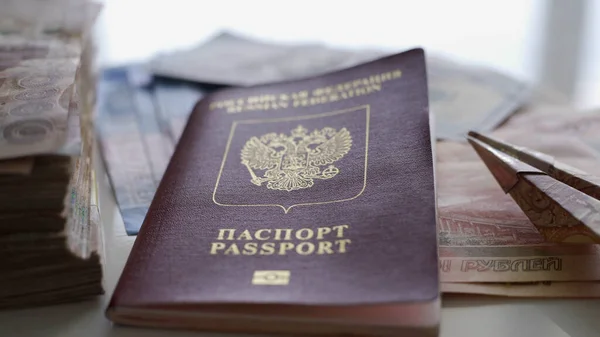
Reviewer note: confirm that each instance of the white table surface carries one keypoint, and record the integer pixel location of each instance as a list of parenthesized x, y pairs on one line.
[(509, 46)]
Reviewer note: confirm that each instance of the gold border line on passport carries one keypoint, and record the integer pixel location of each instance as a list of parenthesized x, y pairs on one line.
[(367, 107)]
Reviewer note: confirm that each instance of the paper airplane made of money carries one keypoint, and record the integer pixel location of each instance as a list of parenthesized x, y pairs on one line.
[(549, 192)]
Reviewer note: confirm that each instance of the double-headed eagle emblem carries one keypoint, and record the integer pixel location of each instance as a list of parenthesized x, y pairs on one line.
[(293, 162)]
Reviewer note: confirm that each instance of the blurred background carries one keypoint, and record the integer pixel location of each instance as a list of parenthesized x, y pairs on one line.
[(554, 43)]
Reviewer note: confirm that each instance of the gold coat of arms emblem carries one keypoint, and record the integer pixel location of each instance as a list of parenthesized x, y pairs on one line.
[(293, 162)]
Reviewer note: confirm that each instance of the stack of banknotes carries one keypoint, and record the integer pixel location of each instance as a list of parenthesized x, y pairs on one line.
[(49, 220), (487, 245)]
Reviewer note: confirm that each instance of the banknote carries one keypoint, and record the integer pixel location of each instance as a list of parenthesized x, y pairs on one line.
[(485, 236), (22, 165), (233, 59), (37, 79), (72, 144), (79, 220), (175, 101), (518, 263), (463, 97), (123, 148), (138, 127), (543, 289), (84, 237), (583, 125), (30, 17)]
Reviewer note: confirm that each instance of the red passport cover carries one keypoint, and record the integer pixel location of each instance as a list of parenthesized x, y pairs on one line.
[(315, 192)]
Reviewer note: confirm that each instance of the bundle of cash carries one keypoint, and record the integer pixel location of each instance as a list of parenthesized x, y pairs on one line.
[(49, 220)]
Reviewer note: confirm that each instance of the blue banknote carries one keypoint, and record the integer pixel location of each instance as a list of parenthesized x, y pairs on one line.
[(139, 121)]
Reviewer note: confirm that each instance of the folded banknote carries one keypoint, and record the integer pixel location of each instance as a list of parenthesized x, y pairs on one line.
[(550, 192)]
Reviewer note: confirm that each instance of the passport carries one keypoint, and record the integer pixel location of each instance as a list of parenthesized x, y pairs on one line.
[(304, 207)]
